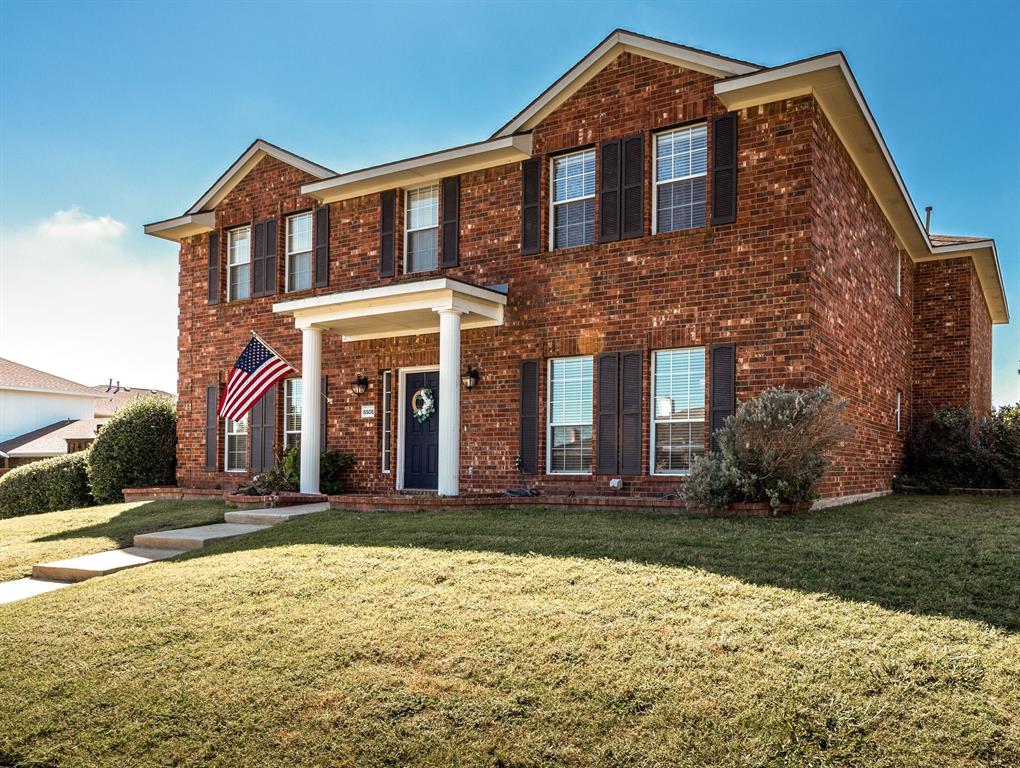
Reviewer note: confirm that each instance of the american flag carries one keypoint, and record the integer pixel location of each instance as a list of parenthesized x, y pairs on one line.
[(256, 370)]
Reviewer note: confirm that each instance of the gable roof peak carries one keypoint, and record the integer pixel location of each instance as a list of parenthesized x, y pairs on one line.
[(621, 41)]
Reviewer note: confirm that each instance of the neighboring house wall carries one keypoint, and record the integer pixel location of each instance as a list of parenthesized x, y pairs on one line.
[(860, 328), (952, 339), (22, 412), (746, 283)]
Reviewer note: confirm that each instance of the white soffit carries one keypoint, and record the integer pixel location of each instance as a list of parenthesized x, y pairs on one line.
[(421, 170), (182, 226), (829, 79), (620, 41)]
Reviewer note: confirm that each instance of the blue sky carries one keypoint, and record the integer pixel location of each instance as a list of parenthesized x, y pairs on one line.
[(113, 115)]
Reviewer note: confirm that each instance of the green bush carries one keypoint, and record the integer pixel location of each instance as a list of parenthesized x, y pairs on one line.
[(948, 451), (333, 466), (135, 449), (46, 486), (772, 450)]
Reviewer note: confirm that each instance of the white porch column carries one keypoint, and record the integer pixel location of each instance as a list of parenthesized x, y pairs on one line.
[(311, 407), (449, 401)]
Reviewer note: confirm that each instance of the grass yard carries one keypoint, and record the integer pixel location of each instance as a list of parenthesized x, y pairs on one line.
[(25, 541), (883, 634)]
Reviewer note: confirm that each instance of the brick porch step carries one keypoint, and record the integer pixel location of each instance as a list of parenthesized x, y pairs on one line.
[(194, 538), (100, 563), (274, 516)]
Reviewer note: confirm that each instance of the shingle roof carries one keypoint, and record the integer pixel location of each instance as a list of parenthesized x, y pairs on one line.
[(937, 240), (108, 403), (50, 440), (16, 375)]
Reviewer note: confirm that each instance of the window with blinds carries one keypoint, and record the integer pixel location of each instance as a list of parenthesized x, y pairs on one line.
[(236, 458), (421, 239), (238, 263), (573, 199), (569, 436), (387, 417), (678, 409), (292, 389), (299, 252), (681, 166)]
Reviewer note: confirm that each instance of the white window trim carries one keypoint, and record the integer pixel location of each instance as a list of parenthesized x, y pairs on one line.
[(386, 421), (409, 230), (287, 252), (899, 410), (656, 183), (230, 235), (652, 419), (287, 446), (227, 434), (553, 202), (548, 416)]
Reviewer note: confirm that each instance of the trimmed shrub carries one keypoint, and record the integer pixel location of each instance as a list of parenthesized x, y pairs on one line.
[(135, 449), (772, 450), (46, 486), (333, 466)]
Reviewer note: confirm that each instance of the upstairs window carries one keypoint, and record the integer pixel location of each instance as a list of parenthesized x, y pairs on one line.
[(421, 243), (291, 413), (678, 409), (681, 166), (570, 419), (299, 252), (238, 263), (573, 199)]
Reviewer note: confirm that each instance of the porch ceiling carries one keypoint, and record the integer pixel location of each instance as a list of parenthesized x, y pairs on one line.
[(401, 309)]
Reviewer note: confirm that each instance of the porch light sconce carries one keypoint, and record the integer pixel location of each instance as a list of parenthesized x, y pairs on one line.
[(470, 378), (360, 385)]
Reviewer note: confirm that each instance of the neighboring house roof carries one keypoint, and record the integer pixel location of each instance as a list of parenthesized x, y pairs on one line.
[(16, 376), (50, 440), (741, 85), (938, 240), (109, 401)]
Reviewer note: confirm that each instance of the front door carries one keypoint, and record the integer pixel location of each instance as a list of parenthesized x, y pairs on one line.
[(421, 433)]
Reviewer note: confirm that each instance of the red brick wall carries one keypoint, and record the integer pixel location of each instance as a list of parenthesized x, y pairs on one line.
[(860, 328), (747, 282), (952, 339)]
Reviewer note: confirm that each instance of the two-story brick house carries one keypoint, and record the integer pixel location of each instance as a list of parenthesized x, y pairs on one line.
[(660, 235)]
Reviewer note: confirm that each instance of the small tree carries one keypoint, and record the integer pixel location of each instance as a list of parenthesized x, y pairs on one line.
[(772, 450), (135, 449)]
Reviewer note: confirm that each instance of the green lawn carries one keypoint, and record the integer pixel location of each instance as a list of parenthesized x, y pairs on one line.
[(25, 541), (883, 634)]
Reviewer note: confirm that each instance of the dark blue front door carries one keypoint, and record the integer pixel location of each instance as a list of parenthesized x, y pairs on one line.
[(421, 439)]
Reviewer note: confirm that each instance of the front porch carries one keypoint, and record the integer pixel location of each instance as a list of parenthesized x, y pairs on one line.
[(412, 308)]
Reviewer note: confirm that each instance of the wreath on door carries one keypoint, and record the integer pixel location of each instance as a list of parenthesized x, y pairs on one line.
[(423, 405)]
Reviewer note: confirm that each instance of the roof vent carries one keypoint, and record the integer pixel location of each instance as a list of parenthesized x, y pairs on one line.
[(927, 218)]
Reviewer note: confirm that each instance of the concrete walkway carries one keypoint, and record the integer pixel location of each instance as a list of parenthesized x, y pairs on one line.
[(148, 548)]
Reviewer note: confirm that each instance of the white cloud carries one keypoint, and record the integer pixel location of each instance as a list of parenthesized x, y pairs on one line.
[(81, 298)]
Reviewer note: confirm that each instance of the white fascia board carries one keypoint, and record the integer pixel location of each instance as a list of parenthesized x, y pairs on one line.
[(605, 52), (390, 291), (420, 170), (246, 162), (41, 391), (182, 226)]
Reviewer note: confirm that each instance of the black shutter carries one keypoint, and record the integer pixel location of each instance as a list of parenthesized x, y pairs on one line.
[(631, 364), (388, 214), (723, 390), (632, 206), (531, 205), (607, 435), (609, 192), (262, 426), (324, 394), (269, 284), (529, 417), (724, 168), (214, 267), (322, 246), (258, 259), (212, 402), (451, 221)]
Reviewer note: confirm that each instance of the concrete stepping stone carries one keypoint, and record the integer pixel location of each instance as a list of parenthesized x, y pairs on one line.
[(274, 516), (194, 538), (100, 563), (21, 589)]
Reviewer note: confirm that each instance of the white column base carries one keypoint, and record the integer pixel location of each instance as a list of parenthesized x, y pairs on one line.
[(449, 401), (311, 408)]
